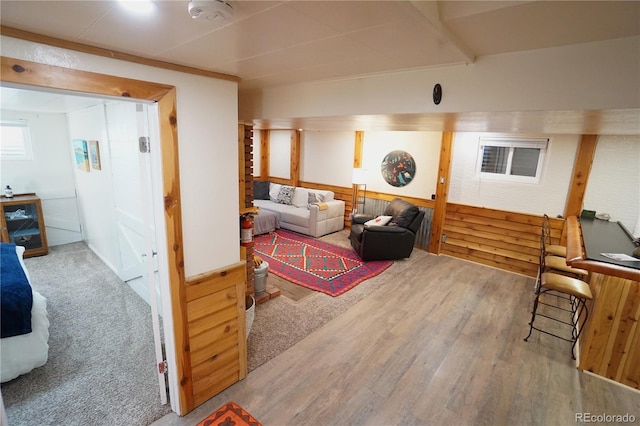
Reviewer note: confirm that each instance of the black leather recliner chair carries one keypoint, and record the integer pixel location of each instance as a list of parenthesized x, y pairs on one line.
[(389, 242)]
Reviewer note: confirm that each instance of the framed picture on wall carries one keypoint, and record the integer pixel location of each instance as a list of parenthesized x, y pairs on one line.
[(81, 154), (94, 155), (398, 168)]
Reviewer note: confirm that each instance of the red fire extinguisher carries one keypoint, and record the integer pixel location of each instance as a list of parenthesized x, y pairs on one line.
[(246, 230)]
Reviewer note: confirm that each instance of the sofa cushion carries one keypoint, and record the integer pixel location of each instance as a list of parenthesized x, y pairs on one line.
[(300, 197), (260, 190), (285, 195), (295, 216)]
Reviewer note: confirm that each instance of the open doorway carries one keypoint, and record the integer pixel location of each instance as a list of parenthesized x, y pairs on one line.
[(124, 187)]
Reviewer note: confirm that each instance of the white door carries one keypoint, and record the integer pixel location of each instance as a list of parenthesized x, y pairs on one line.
[(147, 124), (127, 191), (134, 211)]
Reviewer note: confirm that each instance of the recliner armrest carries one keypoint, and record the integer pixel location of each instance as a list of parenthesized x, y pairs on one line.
[(385, 229), (361, 218)]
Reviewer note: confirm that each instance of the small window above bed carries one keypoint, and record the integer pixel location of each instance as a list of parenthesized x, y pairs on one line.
[(15, 140)]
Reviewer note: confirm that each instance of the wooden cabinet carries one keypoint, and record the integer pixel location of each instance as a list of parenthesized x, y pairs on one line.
[(23, 224)]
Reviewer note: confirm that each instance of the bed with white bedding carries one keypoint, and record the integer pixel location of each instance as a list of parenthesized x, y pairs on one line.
[(25, 338)]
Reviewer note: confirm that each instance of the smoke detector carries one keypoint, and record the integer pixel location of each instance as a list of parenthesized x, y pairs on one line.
[(211, 10)]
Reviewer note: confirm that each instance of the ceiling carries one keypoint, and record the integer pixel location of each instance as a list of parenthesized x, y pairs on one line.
[(269, 43), (272, 43)]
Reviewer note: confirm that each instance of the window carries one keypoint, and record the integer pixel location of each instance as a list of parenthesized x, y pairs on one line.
[(513, 159), (15, 140)]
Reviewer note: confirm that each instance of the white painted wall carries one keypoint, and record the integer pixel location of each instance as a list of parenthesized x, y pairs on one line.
[(424, 147), (327, 157), (207, 133), (590, 76), (614, 183), (280, 153), (95, 187), (49, 174), (548, 196)]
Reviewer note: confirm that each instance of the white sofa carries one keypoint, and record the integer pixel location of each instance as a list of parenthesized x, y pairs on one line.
[(307, 211)]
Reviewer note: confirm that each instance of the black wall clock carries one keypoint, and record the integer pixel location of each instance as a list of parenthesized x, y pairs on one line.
[(398, 168)]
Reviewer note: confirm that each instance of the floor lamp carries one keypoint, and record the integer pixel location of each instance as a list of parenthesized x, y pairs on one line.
[(359, 181)]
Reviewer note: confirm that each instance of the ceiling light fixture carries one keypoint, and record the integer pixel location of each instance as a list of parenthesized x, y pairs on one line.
[(141, 7), (219, 11)]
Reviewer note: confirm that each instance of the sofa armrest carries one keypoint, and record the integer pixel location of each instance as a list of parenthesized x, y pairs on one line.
[(333, 208)]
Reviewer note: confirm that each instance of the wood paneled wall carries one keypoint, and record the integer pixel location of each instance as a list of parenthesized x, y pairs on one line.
[(505, 240), (216, 328), (611, 346)]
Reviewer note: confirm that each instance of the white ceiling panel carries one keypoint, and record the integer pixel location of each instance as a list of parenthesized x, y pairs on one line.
[(529, 26), (272, 43), (67, 20), (348, 16), (165, 29), (404, 34)]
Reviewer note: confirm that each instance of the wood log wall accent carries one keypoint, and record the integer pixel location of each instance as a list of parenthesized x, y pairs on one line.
[(245, 160), (501, 239), (581, 171)]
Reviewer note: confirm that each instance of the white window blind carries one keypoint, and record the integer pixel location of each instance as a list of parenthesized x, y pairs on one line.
[(515, 159), (15, 140)]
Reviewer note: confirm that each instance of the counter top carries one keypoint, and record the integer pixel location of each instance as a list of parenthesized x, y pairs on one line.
[(601, 236)]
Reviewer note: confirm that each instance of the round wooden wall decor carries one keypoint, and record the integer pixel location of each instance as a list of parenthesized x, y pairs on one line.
[(398, 168)]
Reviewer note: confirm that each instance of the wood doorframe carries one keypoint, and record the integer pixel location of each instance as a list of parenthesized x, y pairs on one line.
[(17, 71)]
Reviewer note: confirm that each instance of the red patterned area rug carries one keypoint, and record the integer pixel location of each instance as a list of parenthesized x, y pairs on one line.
[(315, 264), (230, 414)]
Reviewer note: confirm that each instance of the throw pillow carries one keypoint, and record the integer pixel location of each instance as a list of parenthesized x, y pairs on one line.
[(311, 199), (285, 195), (300, 197), (260, 190), (380, 221), (274, 190)]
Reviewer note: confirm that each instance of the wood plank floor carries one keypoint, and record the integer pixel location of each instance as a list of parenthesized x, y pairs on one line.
[(440, 343)]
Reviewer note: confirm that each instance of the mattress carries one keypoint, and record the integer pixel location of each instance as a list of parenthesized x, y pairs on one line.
[(21, 354)]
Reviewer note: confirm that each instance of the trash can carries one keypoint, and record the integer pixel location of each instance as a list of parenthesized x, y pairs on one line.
[(250, 306), (260, 277)]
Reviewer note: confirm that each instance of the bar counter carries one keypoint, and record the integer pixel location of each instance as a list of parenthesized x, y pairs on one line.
[(610, 342)]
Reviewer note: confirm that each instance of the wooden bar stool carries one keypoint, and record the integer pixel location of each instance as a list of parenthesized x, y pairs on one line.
[(555, 254), (564, 301), (552, 249)]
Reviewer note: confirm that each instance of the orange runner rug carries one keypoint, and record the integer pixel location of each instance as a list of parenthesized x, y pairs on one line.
[(230, 414)]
